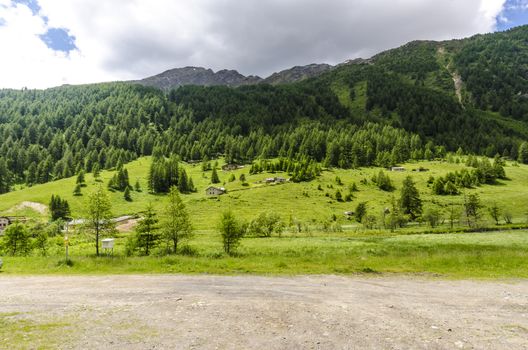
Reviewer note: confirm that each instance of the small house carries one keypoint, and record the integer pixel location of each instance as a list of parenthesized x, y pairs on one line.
[(397, 168), (280, 180), (215, 191), (4, 222), (230, 167)]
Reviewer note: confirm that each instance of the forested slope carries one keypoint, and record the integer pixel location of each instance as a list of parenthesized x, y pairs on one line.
[(399, 105)]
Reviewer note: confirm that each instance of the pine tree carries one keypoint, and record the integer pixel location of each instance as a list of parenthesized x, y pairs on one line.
[(81, 178), (410, 201), (77, 191), (137, 186), (147, 231), (177, 223), (214, 177), (96, 170), (127, 195), (523, 153), (361, 211)]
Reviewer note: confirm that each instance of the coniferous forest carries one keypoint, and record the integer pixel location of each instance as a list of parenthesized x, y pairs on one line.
[(401, 104)]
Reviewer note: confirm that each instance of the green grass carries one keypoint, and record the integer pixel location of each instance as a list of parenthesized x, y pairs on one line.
[(300, 201), (355, 250), (469, 255), (19, 331)]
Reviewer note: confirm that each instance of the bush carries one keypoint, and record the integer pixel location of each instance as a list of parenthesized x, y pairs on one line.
[(266, 224), (188, 251)]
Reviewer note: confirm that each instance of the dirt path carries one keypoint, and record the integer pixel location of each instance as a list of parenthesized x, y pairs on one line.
[(327, 312)]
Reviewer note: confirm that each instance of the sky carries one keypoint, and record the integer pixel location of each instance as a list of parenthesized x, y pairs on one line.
[(47, 43)]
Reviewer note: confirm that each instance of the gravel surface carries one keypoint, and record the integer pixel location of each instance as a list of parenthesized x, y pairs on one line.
[(247, 312)]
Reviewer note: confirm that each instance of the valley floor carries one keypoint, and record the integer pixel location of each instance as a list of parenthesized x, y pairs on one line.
[(213, 312)]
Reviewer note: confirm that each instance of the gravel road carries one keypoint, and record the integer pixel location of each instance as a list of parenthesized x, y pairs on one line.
[(248, 312)]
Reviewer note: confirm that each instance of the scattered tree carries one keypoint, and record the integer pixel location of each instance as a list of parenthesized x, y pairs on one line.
[(16, 240), (81, 178), (361, 211), (99, 215), (266, 224), (383, 181), (59, 208), (432, 216), (495, 212), (77, 190), (507, 217), (472, 208), (147, 231), (127, 195), (214, 177), (96, 170), (176, 227), (410, 201), (231, 231)]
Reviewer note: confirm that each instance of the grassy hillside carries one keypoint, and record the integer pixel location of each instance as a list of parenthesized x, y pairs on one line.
[(314, 250), (303, 202)]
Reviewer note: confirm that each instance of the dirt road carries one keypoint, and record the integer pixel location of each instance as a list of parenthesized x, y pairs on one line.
[(246, 312)]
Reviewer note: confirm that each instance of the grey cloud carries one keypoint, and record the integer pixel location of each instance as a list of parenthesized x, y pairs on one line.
[(260, 37)]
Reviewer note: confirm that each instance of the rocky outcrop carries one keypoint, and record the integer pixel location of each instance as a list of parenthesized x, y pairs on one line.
[(297, 73), (175, 78)]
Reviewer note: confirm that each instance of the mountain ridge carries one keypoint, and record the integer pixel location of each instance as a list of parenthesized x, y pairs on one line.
[(201, 76)]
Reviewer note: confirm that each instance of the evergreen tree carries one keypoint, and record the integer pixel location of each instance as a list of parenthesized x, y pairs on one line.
[(59, 208), (177, 225), (137, 186), (81, 178), (214, 177), (147, 235), (472, 208), (77, 190), (410, 201), (361, 211), (96, 170), (127, 195), (523, 153)]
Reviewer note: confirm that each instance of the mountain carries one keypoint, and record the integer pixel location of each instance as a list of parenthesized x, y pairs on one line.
[(175, 78), (417, 101), (297, 73), (178, 77)]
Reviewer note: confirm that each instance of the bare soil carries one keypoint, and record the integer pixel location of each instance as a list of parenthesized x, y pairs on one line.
[(38, 207), (247, 312), (127, 226)]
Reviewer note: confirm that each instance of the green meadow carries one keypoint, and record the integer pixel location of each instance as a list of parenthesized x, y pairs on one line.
[(317, 249)]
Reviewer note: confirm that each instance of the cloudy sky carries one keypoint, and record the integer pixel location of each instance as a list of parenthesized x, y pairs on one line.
[(52, 42)]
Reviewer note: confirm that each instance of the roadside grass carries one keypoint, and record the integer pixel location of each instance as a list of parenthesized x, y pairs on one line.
[(18, 331), (487, 255)]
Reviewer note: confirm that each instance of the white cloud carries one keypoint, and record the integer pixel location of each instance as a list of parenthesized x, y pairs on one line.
[(128, 39)]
